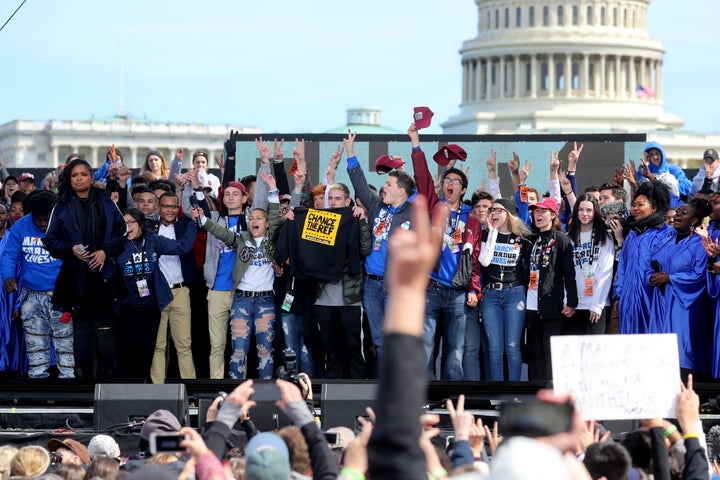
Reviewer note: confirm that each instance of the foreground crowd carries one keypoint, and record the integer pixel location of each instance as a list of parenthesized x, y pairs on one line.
[(397, 442), (100, 270)]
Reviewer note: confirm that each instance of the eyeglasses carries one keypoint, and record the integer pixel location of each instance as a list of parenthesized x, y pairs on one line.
[(497, 210), (131, 222), (164, 205), (454, 181)]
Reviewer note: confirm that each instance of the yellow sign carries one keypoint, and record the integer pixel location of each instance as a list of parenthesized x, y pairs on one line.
[(321, 227)]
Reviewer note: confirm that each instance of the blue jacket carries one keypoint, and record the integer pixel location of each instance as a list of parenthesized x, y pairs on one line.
[(24, 247), (684, 184), (155, 246), (190, 271), (64, 232)]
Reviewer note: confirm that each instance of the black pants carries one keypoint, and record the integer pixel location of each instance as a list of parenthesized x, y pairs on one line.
[(340, 331), (579, 324), (138, 329), (94, 332), (539, 332)]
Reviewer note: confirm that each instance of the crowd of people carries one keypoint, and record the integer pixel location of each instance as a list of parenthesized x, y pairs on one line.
[(397, 442), (107, 275)]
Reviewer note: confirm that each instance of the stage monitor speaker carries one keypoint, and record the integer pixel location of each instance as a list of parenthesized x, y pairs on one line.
[(342, 403), (118, 404)]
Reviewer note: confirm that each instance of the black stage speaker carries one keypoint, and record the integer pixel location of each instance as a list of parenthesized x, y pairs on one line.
[(341, 403), (116, 405)]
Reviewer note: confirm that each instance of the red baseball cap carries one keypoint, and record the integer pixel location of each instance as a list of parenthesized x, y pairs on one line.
[(449, 152), (422, 117), (387, 162), (547, 203)]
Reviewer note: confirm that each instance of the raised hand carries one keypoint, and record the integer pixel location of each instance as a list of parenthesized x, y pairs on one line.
[(230, 145), (299, 151), (574, 156), (525, 172), (336, 156), (618, 175), (113, 153), (349, 143), (514, 164), (263, 150), (645, 170), (629, 173), (554, 164), (491, 163), (179, 154), (278, 153), (269, 180), (413, 134)]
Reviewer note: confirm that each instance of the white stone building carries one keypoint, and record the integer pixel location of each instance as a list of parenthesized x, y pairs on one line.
[(561, 66), (39, 144)]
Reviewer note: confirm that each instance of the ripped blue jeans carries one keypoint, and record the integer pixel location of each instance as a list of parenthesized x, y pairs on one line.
[(42, 326), (252, 315)]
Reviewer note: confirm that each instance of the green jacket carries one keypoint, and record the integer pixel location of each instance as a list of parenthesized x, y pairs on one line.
[(244, 240)]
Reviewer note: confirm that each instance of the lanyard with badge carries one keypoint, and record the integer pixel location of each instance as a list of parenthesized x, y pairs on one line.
[(140, 280), (539, 257), (589, 270), (382, 228), (453, 235)]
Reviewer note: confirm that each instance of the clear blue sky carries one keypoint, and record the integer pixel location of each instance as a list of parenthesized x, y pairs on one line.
[(287, 65)]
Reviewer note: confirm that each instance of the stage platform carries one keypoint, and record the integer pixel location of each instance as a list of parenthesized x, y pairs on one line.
[(33, 411)]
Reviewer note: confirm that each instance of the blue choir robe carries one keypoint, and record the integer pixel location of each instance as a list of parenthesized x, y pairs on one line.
[(682, 306), (713, 285), (13, 356), (631, 283)]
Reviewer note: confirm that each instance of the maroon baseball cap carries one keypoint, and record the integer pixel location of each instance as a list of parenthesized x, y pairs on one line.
[(547, 203), (449, 152), (26, 176), (387, 162), (422, 117), (238, 185)]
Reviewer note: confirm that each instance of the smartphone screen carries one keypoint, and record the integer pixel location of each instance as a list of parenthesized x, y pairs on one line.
[(535, 418), (266, 392), (166, 442), (332, 438)]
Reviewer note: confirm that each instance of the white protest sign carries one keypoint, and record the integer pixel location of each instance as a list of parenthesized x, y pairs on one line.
[(618, 377)]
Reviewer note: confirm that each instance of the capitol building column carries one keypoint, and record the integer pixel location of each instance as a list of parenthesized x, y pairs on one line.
[(575, 65)]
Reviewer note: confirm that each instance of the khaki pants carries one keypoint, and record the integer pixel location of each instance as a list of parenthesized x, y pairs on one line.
[(177, 316), (219, 307)]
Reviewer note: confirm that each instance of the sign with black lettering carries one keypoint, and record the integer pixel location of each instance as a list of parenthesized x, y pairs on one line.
[(321, 227), (618, 377)]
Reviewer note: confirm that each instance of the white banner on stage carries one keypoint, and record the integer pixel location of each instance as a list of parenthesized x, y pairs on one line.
[(618, 377)]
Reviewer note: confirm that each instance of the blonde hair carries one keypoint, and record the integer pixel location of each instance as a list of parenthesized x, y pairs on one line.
[(163, 458), (164, 169), (30, 462), (7, 453), (517, 226)]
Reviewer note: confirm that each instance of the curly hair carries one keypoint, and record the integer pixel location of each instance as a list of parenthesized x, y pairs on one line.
[(657, 193)]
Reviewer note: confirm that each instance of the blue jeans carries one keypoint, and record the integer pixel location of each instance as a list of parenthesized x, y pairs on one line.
[(42, 325), (292, 326), (451, 302), (374, 300), (252, 314), (474, 333), (503, 313)]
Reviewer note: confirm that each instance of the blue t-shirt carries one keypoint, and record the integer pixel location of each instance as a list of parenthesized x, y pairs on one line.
[(226, 263)]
